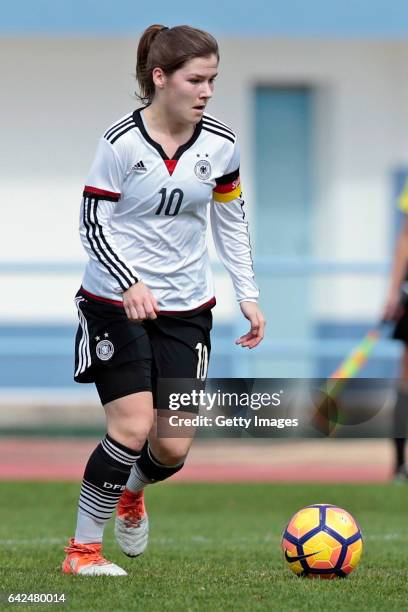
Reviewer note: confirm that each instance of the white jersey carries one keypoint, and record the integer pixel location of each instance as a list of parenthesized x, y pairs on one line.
[(144, 216)]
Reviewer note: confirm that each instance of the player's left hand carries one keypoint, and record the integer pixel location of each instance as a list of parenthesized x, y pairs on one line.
[(252, 312)]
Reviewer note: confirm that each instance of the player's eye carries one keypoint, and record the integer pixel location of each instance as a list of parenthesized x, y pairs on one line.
[(194, 80)]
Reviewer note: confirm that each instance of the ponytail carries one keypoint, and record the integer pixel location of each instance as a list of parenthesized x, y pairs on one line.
[(143, 76)]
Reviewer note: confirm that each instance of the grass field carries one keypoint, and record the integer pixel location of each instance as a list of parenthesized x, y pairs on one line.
[(213, 547)]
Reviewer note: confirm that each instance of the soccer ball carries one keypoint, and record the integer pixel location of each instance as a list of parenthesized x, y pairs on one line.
[(322, 541)]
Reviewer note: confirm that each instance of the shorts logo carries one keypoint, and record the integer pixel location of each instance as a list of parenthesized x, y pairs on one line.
[(104, 350), (202, 169)]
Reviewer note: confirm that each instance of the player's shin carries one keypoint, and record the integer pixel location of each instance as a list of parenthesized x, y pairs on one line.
[(147, 470), (105, 476)]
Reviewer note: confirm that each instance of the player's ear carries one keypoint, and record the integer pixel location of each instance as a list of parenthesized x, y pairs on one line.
[(159, 78)]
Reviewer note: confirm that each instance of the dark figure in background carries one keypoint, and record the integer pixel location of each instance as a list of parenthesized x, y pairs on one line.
[(396, 309)]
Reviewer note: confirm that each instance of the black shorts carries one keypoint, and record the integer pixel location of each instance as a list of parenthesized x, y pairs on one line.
[(122, 357)]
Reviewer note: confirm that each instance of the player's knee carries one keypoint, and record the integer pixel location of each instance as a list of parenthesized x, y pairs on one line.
[(131, 434), (157, 467), (170, 451), (129, 420)]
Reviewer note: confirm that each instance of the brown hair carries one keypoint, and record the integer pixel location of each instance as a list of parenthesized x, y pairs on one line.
[(169, 49)]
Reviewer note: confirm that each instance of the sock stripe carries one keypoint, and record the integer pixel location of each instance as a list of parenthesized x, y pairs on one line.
[(116, 454), (98, 517), (116, 457), (96, 508), (99, 491), (96, 504), (108, 503), (102, 509), (99, 503), (128, 453)]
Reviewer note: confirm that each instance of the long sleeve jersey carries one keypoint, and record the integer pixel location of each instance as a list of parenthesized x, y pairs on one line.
[(144, 216)]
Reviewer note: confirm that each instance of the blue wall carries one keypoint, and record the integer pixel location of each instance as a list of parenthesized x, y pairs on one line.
[(283, 167), (359, 18)]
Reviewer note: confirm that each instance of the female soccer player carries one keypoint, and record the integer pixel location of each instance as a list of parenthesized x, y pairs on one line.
[(145, 302)]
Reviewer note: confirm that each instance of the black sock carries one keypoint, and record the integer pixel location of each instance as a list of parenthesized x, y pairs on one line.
[(148, 470), (152, 468), (105, 477)]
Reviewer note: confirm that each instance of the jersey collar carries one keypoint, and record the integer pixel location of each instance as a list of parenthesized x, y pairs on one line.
[(137, 118)]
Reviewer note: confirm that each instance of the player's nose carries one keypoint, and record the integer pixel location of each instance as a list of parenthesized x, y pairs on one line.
[(206, 90)]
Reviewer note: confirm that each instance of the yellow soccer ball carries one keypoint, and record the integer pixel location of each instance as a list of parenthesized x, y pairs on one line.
[(322, 541)]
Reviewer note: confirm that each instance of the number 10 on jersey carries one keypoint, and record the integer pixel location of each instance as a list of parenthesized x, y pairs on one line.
[(173, 202)]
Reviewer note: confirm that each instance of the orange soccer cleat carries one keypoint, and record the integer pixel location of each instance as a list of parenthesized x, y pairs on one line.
[(132, 523), (87, 560)]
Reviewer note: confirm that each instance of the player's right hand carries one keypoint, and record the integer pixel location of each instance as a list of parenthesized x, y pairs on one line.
[(139, 303)]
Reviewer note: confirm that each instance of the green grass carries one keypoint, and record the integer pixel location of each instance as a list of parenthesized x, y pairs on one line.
[(213, 547)]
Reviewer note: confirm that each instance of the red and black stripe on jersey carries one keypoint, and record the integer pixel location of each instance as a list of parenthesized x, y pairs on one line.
[(97, 239), (216, 127), (102, 194)]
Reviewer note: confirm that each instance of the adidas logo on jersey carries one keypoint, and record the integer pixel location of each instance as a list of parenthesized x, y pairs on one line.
[(139, 167)]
